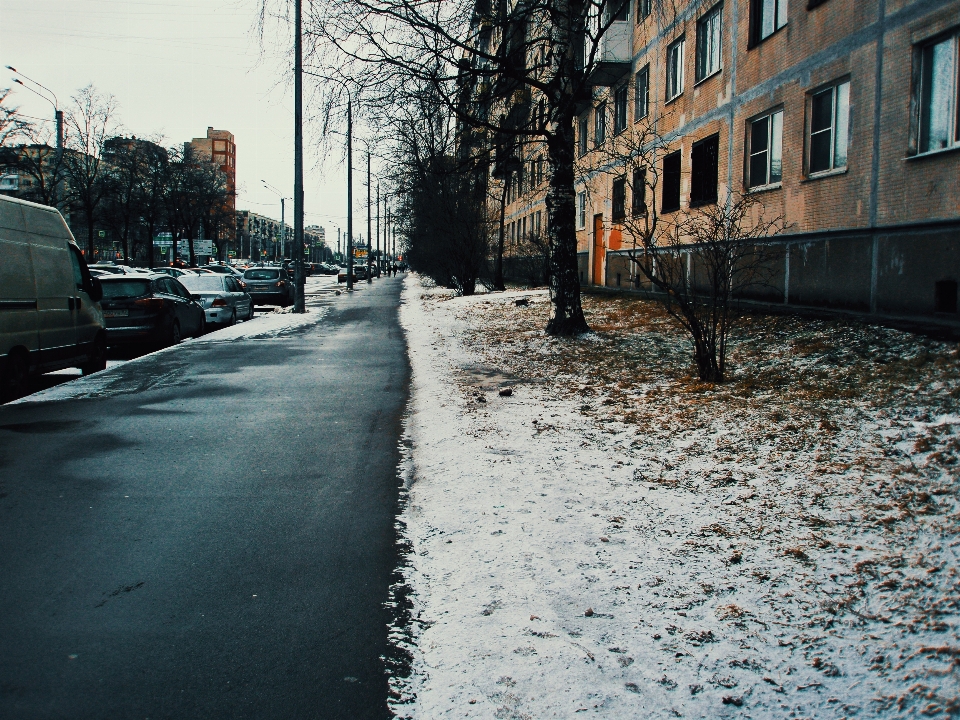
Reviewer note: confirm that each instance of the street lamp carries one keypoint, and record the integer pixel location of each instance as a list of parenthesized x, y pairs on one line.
[(57, 116), (283, 227)]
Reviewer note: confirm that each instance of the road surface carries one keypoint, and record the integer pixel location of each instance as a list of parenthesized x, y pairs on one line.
[(212, 535)]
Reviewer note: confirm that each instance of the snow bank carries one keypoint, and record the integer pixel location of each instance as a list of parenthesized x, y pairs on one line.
[(617, 540)]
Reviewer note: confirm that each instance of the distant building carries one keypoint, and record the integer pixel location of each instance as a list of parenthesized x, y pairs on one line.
[(220, 149)]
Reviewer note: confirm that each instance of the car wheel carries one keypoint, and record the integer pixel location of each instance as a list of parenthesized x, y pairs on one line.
[(233, 318), (99, 360), (250, 314), (13, 376), (203, 326), (174, 338)]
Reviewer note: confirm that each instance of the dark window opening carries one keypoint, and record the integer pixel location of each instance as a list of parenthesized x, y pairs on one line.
[(618, 279), (704, 169), (643, 9), (620, 109), (639, 192), (945, 297), (623, 11), (619, 198), (600, 124), (670, 197)]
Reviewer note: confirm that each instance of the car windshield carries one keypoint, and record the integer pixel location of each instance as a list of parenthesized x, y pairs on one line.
[(261, 274), (201, 282), (124, 288)]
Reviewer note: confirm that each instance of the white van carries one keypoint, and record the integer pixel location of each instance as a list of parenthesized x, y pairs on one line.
[(50, 318)]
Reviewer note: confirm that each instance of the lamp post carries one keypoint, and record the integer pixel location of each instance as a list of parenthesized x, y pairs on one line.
[(283, 225), (299, 303), (57, 116)]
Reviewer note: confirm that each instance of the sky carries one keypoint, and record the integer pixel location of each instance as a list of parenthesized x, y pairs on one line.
[(176, 67)]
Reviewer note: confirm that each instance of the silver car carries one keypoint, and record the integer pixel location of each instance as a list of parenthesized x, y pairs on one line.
[(223, 300)]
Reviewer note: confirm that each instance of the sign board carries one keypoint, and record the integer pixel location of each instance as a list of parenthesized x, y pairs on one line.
[(200, 247), (163, 240)]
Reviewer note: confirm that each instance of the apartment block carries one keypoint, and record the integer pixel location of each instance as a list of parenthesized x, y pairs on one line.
[(220, 149), (841, 116)]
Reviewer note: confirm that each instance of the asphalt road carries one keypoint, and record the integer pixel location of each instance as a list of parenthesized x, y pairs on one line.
[(212, 536)]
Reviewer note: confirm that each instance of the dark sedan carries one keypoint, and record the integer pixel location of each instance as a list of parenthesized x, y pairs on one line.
[(269, 286), (152, 309)]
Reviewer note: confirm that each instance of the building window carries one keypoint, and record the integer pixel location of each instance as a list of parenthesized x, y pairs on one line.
[(766, 17), (704, 170), (829, 128), (619, 198), (765, 166), (639, 192), (675, 69), (642, 88), (582, 135), (620, 109), (643, 9), (600, 124), (536, 222), (581, 210), (708, 44), (939, 120), (670, 195), (623, 11)]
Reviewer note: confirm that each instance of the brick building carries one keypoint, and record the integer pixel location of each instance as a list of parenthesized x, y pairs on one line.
[(220, 149), (841, 115)]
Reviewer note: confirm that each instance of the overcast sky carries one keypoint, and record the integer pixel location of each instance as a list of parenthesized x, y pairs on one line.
[(176, 67)]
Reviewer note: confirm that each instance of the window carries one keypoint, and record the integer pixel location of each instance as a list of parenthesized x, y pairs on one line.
[(623, 11), (642, 88), (582, 135), (829, 128), (708, 44), (704, 169), (643, 9), (765, 165), (619, 198), (639, 192), (537, 220), (670, 195), (581, 209), (600, 124), (939, 106), (620, 110), (766, 17), (675, 69)]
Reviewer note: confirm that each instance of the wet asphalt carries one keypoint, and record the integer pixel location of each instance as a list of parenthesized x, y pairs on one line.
[(212, 535)]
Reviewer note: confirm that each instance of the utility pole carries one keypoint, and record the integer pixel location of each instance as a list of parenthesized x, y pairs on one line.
[(349, 191), (379, 254), (299, 303), (282, 250), (369, 248)]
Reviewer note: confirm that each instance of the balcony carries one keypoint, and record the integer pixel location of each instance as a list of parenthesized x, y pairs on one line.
[(613, 55)]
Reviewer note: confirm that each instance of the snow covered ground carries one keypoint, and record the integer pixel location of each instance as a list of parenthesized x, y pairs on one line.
[(615, 539)]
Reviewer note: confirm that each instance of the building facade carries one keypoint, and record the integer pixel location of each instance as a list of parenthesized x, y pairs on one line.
[(220, 149), (840, 116)]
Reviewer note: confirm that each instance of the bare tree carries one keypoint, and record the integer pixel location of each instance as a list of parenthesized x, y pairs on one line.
[(195, 189), (507, 71), (89, 124), (14, 127)]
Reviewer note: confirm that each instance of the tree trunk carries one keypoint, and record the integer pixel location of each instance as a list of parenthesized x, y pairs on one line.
[(567, 316), (498, 283)]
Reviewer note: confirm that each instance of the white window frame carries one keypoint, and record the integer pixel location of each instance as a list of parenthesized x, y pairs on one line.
[(839, 128), (949, 85), (675, 57), (583, 132), (582, 210), (770, 17), (774, 148), (710, 43), (600, 124), (641, 101)]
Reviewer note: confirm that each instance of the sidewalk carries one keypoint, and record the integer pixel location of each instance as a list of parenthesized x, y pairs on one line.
[(618, 540)]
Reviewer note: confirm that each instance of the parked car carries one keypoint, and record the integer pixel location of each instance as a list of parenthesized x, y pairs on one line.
[(221, 296), (115, 269), (223, 270), (173, 271), (342, 275), (49, 316), (269, 286), (154, 309)]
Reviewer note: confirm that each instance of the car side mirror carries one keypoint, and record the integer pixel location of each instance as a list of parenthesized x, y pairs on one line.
[(96, 290)]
